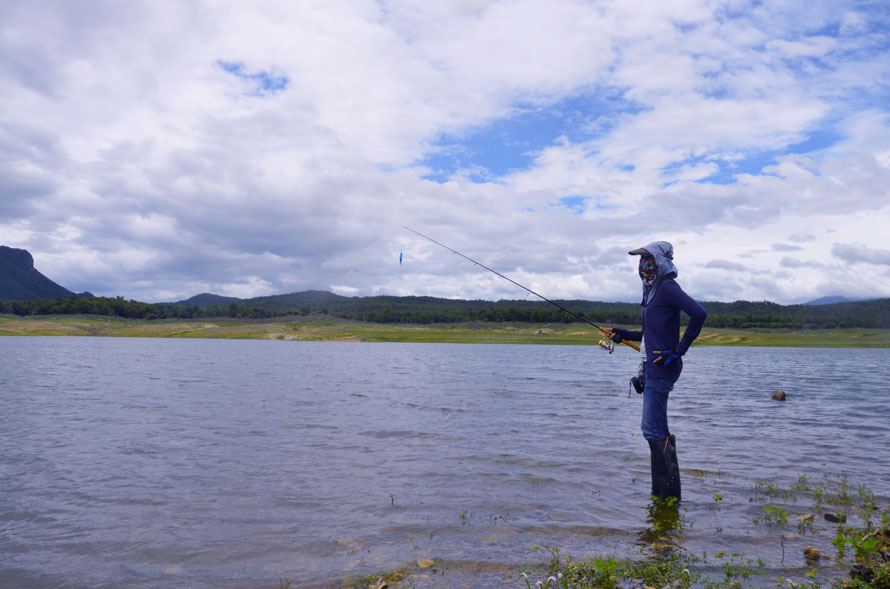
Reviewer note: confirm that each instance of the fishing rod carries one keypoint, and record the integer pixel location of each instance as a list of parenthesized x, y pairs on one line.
[(605, 343)]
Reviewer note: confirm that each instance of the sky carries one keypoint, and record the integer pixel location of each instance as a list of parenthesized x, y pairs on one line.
[(157, 150)]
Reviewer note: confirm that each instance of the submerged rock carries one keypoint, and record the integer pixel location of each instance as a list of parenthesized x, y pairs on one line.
[(862, 572), (811, 554), (835, 518), (779, 395), (385, 582)]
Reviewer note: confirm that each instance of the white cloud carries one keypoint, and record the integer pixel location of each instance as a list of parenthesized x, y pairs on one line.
[(802, 237), (798, 263), (726, 265), (132, 163), (853, 23), (784, 247), (816, 46), (856, 253)]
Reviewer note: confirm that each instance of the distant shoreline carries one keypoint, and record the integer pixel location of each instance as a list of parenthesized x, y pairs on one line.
[(332, 329)]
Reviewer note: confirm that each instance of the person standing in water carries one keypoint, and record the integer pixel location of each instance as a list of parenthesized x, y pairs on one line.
[(662, 350)]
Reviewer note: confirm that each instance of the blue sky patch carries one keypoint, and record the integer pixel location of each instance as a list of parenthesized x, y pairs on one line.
[(576, 204), (510, 144), (264, 83), (755, 161)]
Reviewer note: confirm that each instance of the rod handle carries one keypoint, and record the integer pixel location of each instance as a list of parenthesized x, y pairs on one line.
[(624, 341)]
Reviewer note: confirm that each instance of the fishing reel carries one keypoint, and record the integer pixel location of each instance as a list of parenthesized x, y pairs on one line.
[(607, 344)]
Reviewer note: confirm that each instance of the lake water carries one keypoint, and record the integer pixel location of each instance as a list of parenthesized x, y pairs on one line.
[(148, 462)]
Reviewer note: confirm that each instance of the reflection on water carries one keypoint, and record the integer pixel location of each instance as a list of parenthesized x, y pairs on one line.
[(236, 463), (665, 531)]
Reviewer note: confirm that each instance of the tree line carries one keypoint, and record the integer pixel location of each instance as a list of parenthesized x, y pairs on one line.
[(129, 309), (426, 310)]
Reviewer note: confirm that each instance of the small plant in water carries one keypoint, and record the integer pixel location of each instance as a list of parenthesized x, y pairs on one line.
[(773, 491), (802, 484), (843, 496), (805, 523), (735, 568), (775, 515), (554, 555), (869, 505)]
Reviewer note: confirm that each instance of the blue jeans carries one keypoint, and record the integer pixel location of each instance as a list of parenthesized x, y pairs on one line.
[(655, 408)]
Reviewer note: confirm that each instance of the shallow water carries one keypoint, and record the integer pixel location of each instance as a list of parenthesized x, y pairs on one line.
[(146, 462)]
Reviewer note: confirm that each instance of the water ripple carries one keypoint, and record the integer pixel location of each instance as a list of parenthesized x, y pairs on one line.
[(203, 462)]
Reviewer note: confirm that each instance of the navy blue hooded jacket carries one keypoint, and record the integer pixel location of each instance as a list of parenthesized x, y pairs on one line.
[(662, 303)]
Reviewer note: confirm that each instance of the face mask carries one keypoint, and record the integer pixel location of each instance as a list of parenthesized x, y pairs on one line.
[(647, 270)]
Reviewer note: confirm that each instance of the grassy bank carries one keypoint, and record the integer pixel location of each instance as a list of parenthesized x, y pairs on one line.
[(302, 329)]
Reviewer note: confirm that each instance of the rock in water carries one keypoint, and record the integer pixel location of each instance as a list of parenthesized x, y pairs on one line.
[(779, 395), (863, 572), (811, 554)]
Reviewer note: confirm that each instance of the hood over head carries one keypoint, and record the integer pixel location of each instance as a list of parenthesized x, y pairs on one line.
[(663, 253)]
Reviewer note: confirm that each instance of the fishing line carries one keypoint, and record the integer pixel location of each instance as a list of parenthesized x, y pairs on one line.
[(605, 343)]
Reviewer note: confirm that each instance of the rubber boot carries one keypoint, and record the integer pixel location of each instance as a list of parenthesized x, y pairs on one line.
[(675, 466), (666, 472), (654, 477)]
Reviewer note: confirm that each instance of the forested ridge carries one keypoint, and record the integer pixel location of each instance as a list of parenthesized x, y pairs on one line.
[(425, 310)]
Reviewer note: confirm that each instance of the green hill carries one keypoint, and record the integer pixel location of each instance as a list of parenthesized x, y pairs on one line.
[(206, 298), (20, 281)]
